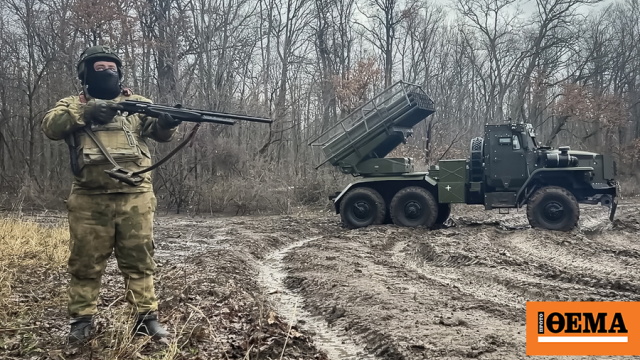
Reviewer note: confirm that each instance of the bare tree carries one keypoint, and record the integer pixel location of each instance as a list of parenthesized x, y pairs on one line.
[(384, 18), (291, 19), (493, 36), (333, 41), (552, 36)]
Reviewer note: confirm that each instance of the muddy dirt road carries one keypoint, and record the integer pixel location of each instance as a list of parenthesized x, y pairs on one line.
[(302, 287), (386, 292)]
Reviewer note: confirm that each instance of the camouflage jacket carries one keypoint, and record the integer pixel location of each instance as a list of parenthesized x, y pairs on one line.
[(125, 139)]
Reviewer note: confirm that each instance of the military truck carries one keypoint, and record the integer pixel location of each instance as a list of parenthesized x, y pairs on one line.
[(506, 168)]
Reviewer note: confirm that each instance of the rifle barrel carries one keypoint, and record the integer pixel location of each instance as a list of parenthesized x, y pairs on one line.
[(216, 117), (216, 120), (219, 114)]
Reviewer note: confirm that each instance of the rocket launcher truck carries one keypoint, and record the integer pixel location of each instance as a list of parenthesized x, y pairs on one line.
[(506, 168)]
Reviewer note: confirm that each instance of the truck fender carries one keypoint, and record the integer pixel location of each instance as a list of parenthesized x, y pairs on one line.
[(336, 200), (523, 195)]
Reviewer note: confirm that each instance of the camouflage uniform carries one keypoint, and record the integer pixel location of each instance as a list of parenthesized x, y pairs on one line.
[(104, 214)]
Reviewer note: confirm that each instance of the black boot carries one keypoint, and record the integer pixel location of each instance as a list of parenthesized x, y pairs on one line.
[(80, 329), (147, 324)]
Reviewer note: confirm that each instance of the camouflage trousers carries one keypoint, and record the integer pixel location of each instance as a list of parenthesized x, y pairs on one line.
[(102, 224)]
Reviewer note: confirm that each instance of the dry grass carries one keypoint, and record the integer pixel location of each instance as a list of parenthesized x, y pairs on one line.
[(32, 256), (243, 185), (260, 192), (630, 186), (31, 251), (25, 244)]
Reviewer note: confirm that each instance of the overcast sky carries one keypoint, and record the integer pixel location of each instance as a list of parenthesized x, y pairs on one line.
[(528, 7)]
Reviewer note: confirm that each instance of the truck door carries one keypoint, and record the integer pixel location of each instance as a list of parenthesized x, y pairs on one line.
[(507, 162)]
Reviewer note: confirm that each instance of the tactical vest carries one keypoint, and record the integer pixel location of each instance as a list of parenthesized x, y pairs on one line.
[(124, 144)]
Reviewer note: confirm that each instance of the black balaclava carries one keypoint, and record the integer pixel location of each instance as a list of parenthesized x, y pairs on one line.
[(104, 84)]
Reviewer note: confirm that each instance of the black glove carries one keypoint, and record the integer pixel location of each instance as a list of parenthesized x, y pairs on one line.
[(98, 111), (166, 121)]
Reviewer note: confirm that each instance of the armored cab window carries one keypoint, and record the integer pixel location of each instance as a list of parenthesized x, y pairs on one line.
[(516, 143), (504, 141)]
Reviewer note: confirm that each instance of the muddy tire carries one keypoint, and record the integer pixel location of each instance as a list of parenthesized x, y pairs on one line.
[(444, 210), (553, 208), (413, 206), (362, 207)]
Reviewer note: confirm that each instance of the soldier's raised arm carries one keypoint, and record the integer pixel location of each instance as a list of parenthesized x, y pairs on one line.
[(64, 118)]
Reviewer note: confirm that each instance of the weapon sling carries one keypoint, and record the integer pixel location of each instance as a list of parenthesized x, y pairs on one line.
[(132, 177)]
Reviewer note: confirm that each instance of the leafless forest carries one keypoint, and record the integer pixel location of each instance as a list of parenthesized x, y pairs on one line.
[(570, 67)]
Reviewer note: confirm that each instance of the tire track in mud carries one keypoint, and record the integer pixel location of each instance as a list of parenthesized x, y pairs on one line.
[(580, 266), (531, 278), (471, 277), (452, 293), (503, 286), (272, 275), (586, 264), (499, 266), (398, 312)]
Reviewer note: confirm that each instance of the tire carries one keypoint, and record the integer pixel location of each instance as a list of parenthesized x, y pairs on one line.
[(444, 210), (553, 208), (476, 171), (414, 206), (362, 207)]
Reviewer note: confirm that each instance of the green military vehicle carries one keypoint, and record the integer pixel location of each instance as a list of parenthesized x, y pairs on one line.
[(506, 168)]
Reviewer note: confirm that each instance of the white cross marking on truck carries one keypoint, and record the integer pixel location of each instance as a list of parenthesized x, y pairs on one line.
[(448, 188)]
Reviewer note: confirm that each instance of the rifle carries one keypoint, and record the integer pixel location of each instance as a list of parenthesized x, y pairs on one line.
[(185, 114), (178, 112)]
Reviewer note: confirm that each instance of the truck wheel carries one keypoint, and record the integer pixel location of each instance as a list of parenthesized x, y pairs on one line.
[(553, 208), (414, 206), (362, 207), (444, 210)]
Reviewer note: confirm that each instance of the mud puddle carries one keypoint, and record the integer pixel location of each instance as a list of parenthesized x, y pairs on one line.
[(272, 274)]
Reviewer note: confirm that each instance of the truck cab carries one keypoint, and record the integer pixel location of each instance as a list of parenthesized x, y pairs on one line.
[(507, 168)]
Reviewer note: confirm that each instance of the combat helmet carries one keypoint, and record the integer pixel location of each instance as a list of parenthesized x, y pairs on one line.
[(97, 53)]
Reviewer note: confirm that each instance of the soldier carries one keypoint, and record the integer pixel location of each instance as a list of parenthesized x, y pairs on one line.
[(106, 215)]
